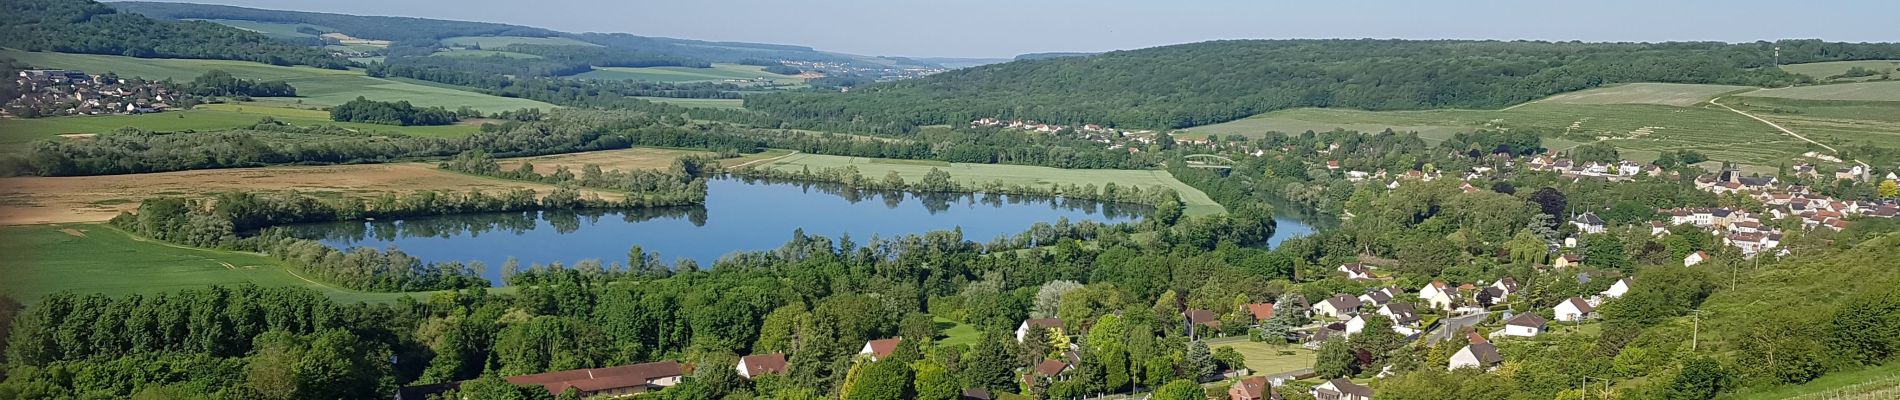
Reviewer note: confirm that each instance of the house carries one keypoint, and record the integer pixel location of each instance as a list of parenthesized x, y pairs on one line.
[(1402, 314), (1479, 354), (1506, 284), (1443, 298), (1431, 290), (1050, 369), (1261, 312), (1573, 309), (1204, 318), (1255, 388), (1355, 271), (1567, 261), (1617, 289), (1339, 306), (1588, 223), (1524, 325), (625, 380), (976, 394), (1355, 325), (756, 365), (1696, 258), (880, 348), (1377, 297), (1324, 333), (1024, 329), (1341, 389)]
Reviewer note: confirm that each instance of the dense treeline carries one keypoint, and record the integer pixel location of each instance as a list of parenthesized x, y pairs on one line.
[(679, 186), (1204, 83), (84, 26), (220, 223), (220, 83), (473, 72), (390, 113), (562, 131), (554, 61), (370, 27)]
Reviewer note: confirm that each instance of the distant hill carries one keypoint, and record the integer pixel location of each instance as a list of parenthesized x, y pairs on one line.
[(83, 26), (1212, 82), (1045, 56), (429, 31), (958, 62)]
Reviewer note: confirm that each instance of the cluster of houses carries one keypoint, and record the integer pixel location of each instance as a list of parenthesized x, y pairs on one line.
[(1454, 300), (1090, 132), (1617, 171), (51, 92)]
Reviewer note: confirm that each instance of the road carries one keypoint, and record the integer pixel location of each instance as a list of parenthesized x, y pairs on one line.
[(1784, 130), (1452, 326)]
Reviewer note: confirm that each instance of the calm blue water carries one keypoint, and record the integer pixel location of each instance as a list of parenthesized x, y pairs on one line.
[(738, 216)]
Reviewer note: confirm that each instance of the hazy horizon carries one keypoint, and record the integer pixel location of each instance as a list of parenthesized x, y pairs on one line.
[(999, 29)]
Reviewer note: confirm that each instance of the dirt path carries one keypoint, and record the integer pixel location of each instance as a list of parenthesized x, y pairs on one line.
[(748, 164), (1783, 129)]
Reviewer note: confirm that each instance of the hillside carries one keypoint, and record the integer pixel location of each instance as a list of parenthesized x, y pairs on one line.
[(1211, 82), (430, 31), (83, 26)]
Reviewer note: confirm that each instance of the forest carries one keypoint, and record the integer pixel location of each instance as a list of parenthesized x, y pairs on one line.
[(220, 83), (372, 27), (88, 27), (1211, 82), (390, 113)]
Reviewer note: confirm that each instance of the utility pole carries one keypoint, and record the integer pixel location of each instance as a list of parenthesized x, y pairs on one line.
[(1695, 330), (1777, 55)]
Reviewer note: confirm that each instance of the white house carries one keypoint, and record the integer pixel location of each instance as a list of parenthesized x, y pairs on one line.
[(1444, 298), (1341, 389), (880, 348), (756, 365), (1524, 325), (1573, 309), (1588, 223), (1431, 290), (1482, 354), (1339, 306), (1355, 271), (1355, 325), (1378, 297), (1617, 289), (1506, 284), (1695, 258), (1023, 329)]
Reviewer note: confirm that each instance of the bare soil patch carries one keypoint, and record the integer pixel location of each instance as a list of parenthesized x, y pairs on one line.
[(74, 232), (44, 200)]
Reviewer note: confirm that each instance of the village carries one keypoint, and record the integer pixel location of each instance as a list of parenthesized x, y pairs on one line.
[(48, 93)]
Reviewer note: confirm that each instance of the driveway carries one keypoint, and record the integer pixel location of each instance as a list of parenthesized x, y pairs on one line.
[(1451, 326)]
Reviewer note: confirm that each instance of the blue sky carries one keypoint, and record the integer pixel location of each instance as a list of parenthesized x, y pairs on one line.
[(1004, 28)]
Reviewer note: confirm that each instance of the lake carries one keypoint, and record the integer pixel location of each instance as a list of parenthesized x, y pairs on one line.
[(739, 215)]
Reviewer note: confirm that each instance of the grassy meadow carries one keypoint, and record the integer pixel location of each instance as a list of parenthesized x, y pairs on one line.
[(1860, 91), (14, 134), (315, 86), (1823, 70), (1830, 121), (702, 103), (1266, 359), (276, 30), (718, 72), (1197, 202), (1668, 94), (97, 258), (493, 42)]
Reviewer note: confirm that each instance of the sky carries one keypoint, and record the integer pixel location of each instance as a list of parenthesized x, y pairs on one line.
[(1005, 28)]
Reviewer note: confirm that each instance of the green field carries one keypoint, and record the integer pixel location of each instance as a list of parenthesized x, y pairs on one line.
[(703, 103), (16, 132), (278, 30), (1265, 359), (1830, 121), (1860, 91), (1197, 202), (956, 333), (314, 86), (1640, 130), (1668, 94), (495, 42), (97, 258), (481, 53), (1884, 380), (718, 72), (1823, 70)]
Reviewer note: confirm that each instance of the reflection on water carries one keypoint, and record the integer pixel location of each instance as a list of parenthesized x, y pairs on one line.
[(739, 215)]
